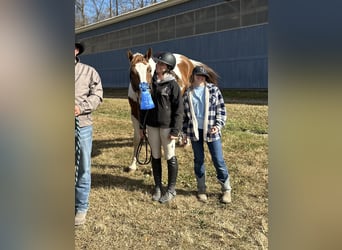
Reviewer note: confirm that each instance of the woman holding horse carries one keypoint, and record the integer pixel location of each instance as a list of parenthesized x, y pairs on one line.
[(204, 117), (163, 124)]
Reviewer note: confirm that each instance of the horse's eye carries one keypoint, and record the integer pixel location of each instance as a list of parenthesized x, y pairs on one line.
[(149, 70)]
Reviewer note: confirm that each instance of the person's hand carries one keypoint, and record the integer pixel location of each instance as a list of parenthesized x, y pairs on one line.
[(185, 139), (142, 133), (77, 110), (214, 130), (172, 137)]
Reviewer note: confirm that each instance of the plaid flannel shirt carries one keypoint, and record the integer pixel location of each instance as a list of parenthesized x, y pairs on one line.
[(215, 114)]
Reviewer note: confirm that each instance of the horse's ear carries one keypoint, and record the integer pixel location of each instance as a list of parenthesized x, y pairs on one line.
[(130, 55), (148, 53)]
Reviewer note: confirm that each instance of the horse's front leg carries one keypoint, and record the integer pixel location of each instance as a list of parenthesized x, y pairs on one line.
[(136, 139)]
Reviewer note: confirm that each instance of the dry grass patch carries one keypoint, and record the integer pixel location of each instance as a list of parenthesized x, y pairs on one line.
[(123, 216)]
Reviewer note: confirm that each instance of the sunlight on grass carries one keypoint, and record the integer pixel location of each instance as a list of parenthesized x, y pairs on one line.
[(122, 215)]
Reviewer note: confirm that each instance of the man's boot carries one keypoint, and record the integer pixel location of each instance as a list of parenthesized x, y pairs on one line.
[(201, 189), (157, 175), (172, 169)]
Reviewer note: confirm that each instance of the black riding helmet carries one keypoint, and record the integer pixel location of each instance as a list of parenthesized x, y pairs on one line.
[(166, 57), (200, 70)]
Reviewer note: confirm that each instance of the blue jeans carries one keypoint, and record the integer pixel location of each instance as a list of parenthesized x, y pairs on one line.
[(83, 182), (215, 149)]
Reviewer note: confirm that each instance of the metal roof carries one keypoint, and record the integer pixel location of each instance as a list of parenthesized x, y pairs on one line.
[(131, 14)]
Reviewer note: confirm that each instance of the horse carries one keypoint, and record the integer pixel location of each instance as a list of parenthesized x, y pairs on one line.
[(142, 67)]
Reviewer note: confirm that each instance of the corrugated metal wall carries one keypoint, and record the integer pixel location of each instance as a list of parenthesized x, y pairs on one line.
[(238, 55)]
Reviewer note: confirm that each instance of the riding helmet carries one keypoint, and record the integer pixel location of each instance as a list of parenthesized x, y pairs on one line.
[(166, 57), (200, 70)]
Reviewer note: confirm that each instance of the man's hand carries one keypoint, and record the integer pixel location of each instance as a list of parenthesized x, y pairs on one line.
[(77, 110)]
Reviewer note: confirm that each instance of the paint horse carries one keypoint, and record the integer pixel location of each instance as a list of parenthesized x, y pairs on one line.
[(141, 70)]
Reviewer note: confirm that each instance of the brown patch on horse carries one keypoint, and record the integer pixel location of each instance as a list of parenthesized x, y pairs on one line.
[(185, 67), (135, 108)]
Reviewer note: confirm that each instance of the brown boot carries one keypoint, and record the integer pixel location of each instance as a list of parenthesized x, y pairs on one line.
[(80, 218), (226, 197), (201, 189), (202, 197), (226, 191)]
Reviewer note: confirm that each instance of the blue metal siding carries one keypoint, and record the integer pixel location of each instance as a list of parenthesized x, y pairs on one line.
[(239, 56), (174, 10)]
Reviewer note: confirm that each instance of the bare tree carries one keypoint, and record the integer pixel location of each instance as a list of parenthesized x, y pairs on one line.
[(98, 8), (112, 9), (91, 11), (116, 7), (80, 16), (141, 3)]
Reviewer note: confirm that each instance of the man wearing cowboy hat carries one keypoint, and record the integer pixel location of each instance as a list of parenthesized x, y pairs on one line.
[(80, 48), (88, 96)]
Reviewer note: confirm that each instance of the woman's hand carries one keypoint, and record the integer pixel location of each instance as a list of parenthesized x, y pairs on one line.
[(185, 140), (142, 133), (214, 130), (172, 137)]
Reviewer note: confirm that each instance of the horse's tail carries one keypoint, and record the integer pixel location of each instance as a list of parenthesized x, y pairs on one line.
[(213, 76)]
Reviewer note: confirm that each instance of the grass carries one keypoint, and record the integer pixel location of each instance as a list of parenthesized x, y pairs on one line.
[(231, 95), (122, 214)]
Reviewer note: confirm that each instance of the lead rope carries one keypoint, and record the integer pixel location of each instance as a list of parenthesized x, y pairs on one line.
[(144, 142), (77, 147)]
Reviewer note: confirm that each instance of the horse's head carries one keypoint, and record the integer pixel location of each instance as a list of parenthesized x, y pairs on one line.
[(140, 69)]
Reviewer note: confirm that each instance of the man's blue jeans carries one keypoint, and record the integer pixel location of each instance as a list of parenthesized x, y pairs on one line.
[(215, 149), (83, 182)]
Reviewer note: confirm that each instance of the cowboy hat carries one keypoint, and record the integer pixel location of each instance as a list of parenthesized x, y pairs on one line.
[(80, 48)]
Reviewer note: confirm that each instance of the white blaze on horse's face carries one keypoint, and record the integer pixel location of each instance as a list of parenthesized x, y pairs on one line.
[(142, 70)]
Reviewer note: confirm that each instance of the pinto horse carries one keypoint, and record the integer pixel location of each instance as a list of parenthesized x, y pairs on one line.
[(141, 70)]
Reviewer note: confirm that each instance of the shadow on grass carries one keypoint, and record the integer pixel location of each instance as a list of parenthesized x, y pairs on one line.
[(129, 183), (116, 181), (98, 145)]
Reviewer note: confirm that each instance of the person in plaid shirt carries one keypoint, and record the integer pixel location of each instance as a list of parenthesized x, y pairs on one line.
[(204, 117)]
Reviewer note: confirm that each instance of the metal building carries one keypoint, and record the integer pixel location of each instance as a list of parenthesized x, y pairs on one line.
[(228, 35)]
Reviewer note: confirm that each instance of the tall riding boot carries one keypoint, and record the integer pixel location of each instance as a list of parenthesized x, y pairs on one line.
[(172, 169), (157, 175), (201, 189)]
